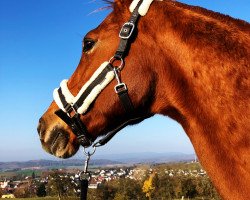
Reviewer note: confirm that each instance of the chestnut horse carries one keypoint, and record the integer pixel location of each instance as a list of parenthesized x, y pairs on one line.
[(187, 63)]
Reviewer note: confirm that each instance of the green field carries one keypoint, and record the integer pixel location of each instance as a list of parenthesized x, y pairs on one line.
[(23, 173)]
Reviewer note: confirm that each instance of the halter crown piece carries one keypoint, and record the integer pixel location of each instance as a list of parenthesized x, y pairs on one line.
[(71, 107)]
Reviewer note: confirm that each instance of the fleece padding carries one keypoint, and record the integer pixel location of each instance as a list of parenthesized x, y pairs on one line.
[(57, 99), (95, 92), (143, 9), (67, 94), (70, 99)]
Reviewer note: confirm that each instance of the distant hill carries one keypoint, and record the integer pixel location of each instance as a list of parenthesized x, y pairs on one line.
[(148, 157), (102, 160), (53, 163)]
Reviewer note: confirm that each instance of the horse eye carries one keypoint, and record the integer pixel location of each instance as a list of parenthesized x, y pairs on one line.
[(87, 44)]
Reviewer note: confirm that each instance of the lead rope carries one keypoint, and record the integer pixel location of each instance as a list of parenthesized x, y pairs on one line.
[(85, 175)]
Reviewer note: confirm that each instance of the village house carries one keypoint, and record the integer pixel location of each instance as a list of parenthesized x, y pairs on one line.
[(4, 184)]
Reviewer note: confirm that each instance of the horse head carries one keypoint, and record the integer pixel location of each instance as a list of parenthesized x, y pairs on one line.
[(106, 113)]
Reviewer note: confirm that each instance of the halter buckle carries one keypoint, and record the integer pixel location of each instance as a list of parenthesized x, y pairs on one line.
[(126, 30), (72, 112), (120, 87)]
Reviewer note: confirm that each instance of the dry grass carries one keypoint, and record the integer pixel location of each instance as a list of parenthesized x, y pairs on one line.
[(48, 198)]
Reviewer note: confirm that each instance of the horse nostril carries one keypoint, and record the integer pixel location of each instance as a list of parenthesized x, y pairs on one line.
[(41, 127)]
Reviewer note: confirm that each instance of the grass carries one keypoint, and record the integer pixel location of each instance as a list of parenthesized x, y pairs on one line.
[(77, 198), (47, 198), (38, 198)]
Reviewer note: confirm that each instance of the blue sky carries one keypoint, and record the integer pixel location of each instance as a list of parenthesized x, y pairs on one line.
[(40, 44)]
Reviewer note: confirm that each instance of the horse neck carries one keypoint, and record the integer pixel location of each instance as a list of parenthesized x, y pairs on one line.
[(203, 79)]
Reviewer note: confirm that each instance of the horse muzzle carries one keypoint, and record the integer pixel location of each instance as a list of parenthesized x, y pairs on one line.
[(56, 140)]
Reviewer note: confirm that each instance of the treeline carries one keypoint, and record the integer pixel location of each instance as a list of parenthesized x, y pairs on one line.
[(156, 187), (161, 182)]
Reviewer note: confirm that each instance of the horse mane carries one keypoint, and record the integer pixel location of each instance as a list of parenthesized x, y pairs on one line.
[(216, 15), (197, 9), (212, 29)]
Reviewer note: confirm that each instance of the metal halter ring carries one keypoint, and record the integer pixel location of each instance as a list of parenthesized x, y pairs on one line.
[(119, 67), (89, 153)]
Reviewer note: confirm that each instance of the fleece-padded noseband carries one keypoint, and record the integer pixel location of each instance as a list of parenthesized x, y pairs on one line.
[(88, 93), (71, 107)]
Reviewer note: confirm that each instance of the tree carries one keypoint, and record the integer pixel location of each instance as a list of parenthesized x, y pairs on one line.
[(22, 192), (164, 187), (107, 191), (129, 189), (118, 189), (33, 175), (206, 189), (148, 187), (41, 190), (59, 184), (189, 188), (119, 196)]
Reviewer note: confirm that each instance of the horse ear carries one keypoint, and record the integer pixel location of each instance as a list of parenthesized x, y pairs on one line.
[(119, 5)]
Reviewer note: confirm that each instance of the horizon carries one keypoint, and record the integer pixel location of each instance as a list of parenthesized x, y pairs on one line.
[(40, 46), (101, 156)]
